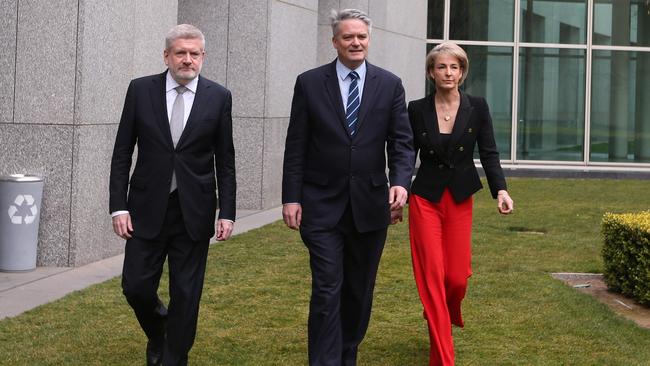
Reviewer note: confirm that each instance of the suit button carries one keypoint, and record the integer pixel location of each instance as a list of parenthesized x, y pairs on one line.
[(353, 147), (469, 130), (431, 152), (441, 166), (424, 134), (461, 148)]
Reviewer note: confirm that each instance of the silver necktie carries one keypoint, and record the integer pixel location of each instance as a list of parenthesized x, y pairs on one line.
[(176, 124)]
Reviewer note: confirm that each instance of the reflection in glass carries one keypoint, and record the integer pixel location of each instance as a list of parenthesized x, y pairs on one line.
[(550, 119), (435, 18), (620, 106), (626, 24), (560, 21), (482, 20), (429, 85), (490, 76)]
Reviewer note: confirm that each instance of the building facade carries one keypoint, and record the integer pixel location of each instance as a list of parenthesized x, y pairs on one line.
[(67, 64), (567, 81)]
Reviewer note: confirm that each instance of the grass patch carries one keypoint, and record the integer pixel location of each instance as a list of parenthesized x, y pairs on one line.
[(255, 300)]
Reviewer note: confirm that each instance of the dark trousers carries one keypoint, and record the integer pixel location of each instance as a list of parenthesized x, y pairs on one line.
[(344, 267), (143, 265)]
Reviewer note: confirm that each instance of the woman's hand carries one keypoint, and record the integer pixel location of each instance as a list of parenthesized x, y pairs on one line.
[(505, 204)]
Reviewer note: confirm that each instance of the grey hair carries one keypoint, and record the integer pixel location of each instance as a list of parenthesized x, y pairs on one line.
[(337, 17), (184, 31)]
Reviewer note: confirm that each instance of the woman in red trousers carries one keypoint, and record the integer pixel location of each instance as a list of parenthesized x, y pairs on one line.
[(447, 125)]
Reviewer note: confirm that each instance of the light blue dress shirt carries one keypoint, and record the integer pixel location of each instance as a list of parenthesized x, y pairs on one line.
[(344, 79)]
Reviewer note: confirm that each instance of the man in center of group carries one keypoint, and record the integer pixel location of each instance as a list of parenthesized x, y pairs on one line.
[(345, 117)]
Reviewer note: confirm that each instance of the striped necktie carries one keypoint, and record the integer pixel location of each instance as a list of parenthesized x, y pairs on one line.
[(352, 109)]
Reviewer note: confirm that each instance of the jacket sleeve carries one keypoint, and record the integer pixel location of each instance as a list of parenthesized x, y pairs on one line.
[(488, 152), (412, 111), (224, 161), (399, 145), (295, 148), (123, 153)]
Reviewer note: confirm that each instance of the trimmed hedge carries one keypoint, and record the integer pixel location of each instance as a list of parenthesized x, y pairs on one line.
[(626, 254)]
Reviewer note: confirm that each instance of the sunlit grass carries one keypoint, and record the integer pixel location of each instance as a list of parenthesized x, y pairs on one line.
[(254, 305)]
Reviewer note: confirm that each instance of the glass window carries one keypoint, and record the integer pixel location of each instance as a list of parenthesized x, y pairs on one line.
[(428, 84), (550, 117), (482, 20), (560, 21), (626, 24), (620, 106), (490, 76), (435, 18)]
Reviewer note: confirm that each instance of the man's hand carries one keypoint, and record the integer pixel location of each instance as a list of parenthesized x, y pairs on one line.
[(224, 229), (122, 226), (504, 202), (396, 216), (397, 197), (292, 215)]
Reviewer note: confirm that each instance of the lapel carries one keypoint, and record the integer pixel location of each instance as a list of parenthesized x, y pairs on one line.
[(159, 105), (370, 90), (462, 118), (334, 94), (193, 119), (430, 118)]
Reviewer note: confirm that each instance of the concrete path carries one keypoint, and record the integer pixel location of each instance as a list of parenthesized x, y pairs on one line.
[(20, 292)]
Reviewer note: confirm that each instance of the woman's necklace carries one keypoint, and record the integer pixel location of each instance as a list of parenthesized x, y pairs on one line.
[(445, 112)]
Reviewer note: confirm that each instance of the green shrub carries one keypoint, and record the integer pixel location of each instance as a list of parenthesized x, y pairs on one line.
[(626, 254)]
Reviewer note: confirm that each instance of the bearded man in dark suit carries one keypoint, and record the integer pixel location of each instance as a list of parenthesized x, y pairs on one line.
[(181, 123)]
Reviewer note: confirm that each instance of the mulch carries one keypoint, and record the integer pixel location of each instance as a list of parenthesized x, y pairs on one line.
[(594, 285)]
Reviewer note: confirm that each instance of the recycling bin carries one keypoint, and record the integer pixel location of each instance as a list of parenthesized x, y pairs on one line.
[(20, 209)]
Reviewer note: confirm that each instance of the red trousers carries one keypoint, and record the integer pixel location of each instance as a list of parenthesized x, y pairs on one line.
[(441, 235)]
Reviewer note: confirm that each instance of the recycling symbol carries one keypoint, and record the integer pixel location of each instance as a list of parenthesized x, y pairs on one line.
[(26, 202)]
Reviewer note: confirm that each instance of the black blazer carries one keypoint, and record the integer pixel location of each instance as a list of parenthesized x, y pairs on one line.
[(325, 168), (454, 168), (205, 146)]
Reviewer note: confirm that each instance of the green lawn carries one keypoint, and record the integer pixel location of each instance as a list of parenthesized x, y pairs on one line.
[(254, 306)]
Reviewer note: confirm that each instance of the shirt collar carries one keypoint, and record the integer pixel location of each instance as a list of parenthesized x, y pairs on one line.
[(343, 71), (170, 83)]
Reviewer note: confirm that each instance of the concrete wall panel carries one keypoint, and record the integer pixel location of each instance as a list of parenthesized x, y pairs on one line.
[(45, 61), (212, 18), (291, 51), (91, 231), (8, 19), (275, 134), (247, 40), (248, 134), (151, 21), (102, 74)]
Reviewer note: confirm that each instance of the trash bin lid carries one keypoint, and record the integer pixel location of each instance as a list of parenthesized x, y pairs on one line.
[(20, 178)]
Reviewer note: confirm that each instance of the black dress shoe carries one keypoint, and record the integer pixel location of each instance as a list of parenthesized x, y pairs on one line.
[(155, 351)]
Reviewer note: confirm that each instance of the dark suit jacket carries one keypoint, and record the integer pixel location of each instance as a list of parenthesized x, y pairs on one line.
[(454, 168), (205, 145), (325, 168)]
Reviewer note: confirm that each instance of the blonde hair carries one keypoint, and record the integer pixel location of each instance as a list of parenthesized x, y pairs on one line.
[(451, 49)]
